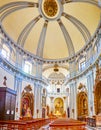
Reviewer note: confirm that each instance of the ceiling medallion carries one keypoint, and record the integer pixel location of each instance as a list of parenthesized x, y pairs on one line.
[(50, 7)]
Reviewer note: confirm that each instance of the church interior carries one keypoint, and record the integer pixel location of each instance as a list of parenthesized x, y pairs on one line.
[(50, 64)]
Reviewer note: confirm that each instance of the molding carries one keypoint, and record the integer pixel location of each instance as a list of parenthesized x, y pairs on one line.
[(6, 65)]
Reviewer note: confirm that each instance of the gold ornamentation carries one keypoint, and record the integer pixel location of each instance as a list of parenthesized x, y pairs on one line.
[(81, 86), (50, 8), (28, 88), (82, 104)]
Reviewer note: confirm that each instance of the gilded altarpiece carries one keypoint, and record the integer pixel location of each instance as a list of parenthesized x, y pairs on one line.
[(58, 107), (27, 103), (82, 101), (97, 91)]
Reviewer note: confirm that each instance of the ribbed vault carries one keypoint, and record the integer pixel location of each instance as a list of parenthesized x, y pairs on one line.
[(55, 38)]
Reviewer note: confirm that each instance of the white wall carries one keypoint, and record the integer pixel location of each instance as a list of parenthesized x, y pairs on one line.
[(25, 83), (9, 81)]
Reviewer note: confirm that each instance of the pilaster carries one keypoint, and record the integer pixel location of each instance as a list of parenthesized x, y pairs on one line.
[(18, 89), (90, 84), (37, 103)]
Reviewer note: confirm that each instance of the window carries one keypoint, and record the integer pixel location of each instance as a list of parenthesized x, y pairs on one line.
[(27, 67), (5, 52), (58, 90), (82, 65)]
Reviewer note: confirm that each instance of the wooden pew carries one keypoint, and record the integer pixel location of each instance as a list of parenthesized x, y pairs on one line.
[(23, 124), (70, 124), (12, 125)]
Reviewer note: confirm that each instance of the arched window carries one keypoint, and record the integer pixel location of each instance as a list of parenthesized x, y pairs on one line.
[(28, 67), (82, 64), (5, 52)]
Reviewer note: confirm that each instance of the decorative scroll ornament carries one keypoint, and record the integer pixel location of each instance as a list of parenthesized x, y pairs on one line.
[(81, 86), (28, 88)]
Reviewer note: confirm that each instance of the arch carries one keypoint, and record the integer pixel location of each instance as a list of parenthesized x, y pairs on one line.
[(27, 103), (82, 104), (97, 98), (58, 107), (48, 109), (97, 90), (44, 91)]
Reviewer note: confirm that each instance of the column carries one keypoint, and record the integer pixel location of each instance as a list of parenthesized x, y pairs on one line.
[(71, 101), (37, 101), (18, 88), (19, 58), (92, 94), (40, 101), (75, 99), (52, 104), (65, 104), (33, 68), (72, 104), (39, 70), (90, 84), (72, 68)]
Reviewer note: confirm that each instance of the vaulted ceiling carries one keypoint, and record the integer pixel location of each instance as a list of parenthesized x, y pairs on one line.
[(56, 36)]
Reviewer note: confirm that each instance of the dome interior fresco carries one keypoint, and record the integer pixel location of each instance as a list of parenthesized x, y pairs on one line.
[(55, 46)]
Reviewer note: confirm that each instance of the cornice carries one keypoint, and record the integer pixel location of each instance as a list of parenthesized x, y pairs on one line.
[(89, 67), (16, 71)]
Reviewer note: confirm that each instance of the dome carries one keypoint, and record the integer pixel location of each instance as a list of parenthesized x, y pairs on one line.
[(50, 29)]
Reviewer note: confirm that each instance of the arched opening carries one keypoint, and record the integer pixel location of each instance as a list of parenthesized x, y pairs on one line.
[(97, 97), (82, 104), (27, 103), (58, 107)]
